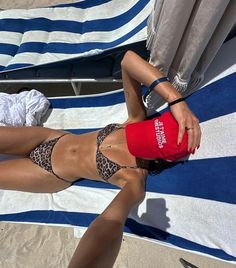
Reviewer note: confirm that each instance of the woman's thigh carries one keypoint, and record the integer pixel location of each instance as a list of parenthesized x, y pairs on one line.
[(24, 175), (22, 140)]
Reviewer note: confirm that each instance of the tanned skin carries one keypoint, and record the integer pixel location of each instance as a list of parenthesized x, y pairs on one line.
[(74, 156)]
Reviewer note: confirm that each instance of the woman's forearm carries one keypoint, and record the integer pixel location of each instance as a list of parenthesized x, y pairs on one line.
[(101, 242), (99, 246), (141, 71), (145, 73)]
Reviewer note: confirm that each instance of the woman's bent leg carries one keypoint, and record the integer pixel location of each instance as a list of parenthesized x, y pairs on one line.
[(24, 175), (22, 140)]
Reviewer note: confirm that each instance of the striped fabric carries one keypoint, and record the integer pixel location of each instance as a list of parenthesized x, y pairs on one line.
[(46, 35), (191, 206)]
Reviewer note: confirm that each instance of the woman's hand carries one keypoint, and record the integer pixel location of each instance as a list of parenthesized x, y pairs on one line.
[(187, 121), (136, 71)]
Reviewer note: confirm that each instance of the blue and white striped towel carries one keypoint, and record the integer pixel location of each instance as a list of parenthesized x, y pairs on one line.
[(45, 35), (191, 206)]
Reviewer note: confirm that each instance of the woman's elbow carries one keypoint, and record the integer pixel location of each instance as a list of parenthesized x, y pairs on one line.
[(138, 190), (126, 59), (140, 195)]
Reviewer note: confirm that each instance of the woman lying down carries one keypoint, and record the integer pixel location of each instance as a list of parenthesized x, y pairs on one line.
[(120, 154)]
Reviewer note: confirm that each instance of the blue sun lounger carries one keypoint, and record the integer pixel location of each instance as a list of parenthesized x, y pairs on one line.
[(71, 42), (191, 206)]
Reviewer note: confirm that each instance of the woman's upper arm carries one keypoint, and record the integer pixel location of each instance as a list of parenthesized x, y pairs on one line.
[(132, 91), (135, 177), (132, 120)]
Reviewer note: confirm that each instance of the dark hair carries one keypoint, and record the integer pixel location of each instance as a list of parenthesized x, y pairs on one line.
[(158, 165), (155, 166)]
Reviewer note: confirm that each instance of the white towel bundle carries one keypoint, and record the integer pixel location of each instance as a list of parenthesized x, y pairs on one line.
[(23, 109)]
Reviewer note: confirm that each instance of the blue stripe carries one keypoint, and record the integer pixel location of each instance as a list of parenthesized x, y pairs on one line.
[(212, 105), (131, 226), (205, 175), (8, 49), (88, 101), (214, 179), (214, 100), (51, 216), (81, 130), (91, 101), (15, 66), (43, 24), (84, 4), (154, 233)]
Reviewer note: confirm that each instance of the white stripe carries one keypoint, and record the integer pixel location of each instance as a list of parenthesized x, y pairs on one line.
[(89, 95), (75, 118), (199, 220), (11, 37), (74, 198), (218, 138), (5, 59), (38, 59), (107, 10)]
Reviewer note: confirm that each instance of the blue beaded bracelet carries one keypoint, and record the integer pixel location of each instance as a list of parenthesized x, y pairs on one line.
[(154, 84)]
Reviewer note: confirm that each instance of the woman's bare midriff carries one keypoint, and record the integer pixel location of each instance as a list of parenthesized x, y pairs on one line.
[(74, 156)]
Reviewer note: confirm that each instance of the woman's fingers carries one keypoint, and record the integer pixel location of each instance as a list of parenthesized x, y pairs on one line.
[(187, 122), (191, 136), (181, 132), (198, 136), (194, 133)]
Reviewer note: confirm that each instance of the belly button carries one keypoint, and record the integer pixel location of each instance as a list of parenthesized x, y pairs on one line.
[(73, 151)]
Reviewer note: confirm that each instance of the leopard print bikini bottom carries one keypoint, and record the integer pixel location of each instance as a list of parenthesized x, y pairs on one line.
[(41, 156)]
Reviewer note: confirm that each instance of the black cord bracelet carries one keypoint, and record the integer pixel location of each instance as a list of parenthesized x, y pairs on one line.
[(175, 101)]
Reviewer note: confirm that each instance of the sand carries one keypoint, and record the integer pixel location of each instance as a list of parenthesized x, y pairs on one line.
[(4, 4), (37, 246)]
